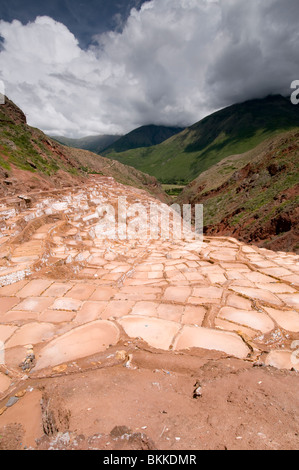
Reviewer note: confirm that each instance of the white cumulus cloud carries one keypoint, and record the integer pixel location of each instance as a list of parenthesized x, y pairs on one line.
[(174, 62)]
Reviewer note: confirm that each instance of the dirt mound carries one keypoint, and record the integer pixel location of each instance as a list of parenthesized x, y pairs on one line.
[(153, 408)]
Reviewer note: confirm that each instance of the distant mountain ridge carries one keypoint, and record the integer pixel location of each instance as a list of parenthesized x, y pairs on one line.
[(144, 136), (230, 131), (92, 143)]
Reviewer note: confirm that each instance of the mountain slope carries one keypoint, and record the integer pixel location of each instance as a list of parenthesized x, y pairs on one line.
[(233, 130), (94, 144), (31, 161), (145, 136), (255, 196)]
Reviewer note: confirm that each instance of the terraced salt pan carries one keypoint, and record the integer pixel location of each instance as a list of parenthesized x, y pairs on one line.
[(257, 320), (34, 288), (234, 327), (177, 294), (157, 333), (145, 309), (258, 294), (6, 332), (5, 382), (157, 289), (290, 299), (283, 360), (230, 343), (90, 311), (67, 304), (289, 320), (193, 315), (32, 333), (34, 304), (53, 316), (80, 342), (6, 303)]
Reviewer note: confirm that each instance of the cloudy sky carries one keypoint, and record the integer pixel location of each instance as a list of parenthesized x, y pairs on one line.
[(79, 67)]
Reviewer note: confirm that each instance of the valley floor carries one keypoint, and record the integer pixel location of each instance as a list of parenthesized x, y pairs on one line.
[(150, 344)]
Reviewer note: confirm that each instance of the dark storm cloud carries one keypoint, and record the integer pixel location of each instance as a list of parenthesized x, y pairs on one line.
[(83, 18), (261, 55), (172, 62)]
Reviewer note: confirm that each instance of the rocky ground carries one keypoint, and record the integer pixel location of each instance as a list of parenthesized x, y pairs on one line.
[(141, 344)]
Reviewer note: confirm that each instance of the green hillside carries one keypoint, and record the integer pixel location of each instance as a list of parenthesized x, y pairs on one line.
[(145, 136), (253, 197), (233, 130)]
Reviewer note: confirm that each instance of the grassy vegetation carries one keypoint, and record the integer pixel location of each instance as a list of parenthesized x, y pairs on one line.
[(21, 149), (250, 198), (173, 190), (232, 131)]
